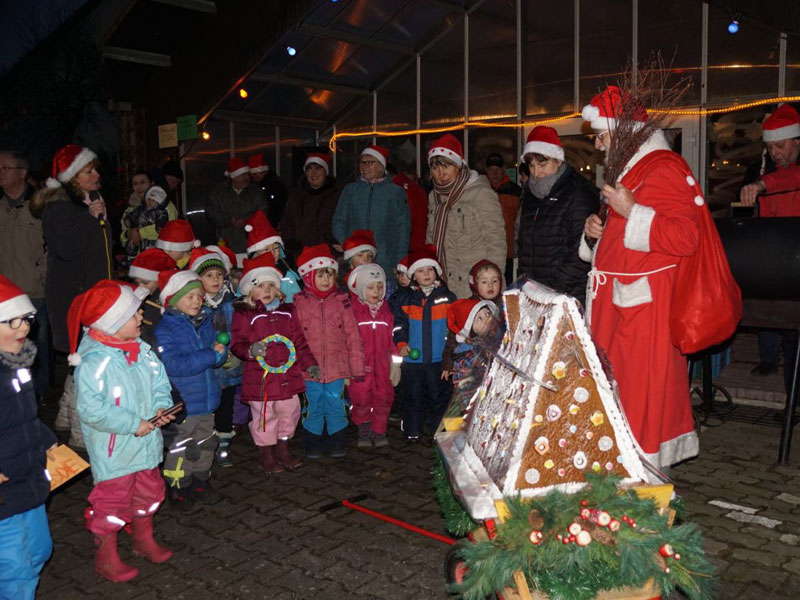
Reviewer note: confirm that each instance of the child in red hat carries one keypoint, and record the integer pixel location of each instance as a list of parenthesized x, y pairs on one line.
[(268, 337), (144, 272), (24, 440), (177, 240), (120, 386)]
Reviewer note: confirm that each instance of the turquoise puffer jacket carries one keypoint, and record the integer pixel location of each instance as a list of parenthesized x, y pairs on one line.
[(381, 207), (113, 398)]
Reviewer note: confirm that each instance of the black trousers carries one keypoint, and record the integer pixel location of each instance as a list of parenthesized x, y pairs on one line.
[(223, 416), (426, 397)]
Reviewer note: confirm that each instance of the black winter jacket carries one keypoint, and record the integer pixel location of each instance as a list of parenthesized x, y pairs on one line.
[(23, 441), (308, 217), (550, 231)]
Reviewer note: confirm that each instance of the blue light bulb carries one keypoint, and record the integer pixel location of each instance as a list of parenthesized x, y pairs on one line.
[(733, 27)]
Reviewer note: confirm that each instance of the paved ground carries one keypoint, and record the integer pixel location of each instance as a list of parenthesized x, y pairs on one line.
[(267, 539)]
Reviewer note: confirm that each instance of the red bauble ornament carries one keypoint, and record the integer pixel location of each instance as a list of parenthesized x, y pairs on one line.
[(603, 518), (666, 550), (613, 525), (535, 537), (575, 528), (584, 538)]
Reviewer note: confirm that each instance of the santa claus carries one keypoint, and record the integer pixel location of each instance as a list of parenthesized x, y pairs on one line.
[(652, 226)]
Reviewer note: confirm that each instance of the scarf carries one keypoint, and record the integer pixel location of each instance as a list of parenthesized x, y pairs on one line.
[(23, 360), (374, 181), (196, 320), (374, 308), (129, 347), (446, 197), (541, 187), (311, 285)]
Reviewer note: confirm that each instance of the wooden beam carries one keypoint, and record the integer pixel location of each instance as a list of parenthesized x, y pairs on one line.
[(354, 38), (263, 119), (311, 83), (137, 56)]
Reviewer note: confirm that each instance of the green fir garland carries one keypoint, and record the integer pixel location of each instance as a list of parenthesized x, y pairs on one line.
[(456, 520), (643, 547)]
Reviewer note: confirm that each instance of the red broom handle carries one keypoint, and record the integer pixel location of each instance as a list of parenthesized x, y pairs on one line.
[(399, 523)]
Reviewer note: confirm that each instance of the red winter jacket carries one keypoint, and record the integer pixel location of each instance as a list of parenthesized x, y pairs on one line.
[(330, 328), (253, 324), (376, 335), (417, 207), (783, 193)]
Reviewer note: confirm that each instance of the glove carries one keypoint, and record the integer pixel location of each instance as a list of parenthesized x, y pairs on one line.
[(258, 349), (314, 372), (394, 374)]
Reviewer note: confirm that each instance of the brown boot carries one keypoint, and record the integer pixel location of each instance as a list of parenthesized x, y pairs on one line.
[(107, 562), (285, 457), (268, 461)]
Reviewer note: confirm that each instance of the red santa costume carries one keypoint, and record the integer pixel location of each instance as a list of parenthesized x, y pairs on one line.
[(631, 288), (781, 196)]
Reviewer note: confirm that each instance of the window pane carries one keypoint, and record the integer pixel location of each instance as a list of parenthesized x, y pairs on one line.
[(605, 44), (443, 79), (397, 102), (493, 61), (793, 64), (550, 57), (485, 141)]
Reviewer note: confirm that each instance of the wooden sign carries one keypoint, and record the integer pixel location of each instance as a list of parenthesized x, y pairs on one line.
[(65, 465)]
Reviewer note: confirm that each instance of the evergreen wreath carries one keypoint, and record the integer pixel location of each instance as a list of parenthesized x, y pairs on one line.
[(572, 546)]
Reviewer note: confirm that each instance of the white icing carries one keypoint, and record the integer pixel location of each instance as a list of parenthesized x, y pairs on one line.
[(581, 395)]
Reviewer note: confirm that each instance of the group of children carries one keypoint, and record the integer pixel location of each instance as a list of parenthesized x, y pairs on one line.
[(218, 339)]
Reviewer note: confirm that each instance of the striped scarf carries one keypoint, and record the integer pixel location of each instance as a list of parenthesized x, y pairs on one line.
[(446, 196)]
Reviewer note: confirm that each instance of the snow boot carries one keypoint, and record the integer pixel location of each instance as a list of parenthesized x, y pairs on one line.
[(107, 562), (144, 544), (268, 461), (285, 457), (365, 435)]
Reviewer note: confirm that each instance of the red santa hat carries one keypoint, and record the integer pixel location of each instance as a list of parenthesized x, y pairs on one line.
[(461, 315), (203, 259), (359, 240), (177, 236), (257, 270), (67, 163), (604, 109), (260, 232), (318, 158), (227, 255), (257, 164), (543, 140), (424, 257), (783, 124), (172, 282), (13, 301), (316, 257), (149, 263), (448, 147), (402, 266), (106, 306), (359, 278), (236, 167), (378, 152)]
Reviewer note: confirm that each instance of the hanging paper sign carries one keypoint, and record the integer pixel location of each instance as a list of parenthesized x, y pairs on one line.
[(187, 127), (168, 135)]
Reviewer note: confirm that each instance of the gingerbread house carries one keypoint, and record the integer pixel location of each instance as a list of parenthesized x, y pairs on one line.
[(546, 412)]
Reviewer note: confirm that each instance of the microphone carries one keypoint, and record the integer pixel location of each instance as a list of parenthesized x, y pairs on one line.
[(95, 195)]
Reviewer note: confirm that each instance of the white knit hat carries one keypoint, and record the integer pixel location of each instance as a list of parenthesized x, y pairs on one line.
[(359, 278)]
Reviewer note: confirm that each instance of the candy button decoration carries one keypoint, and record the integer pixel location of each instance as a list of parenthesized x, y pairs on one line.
[(559, 370), (580, 395), (549, 464), (542, 445), (278, 339), (553, 412), (597, 418), (579, 460), (605, 443), (532, 476)]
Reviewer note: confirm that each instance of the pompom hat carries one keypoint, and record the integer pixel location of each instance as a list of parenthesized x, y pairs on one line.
[(149, 263), (106, 306), (543, 140), (260, 232), (359, 240), (67, 163), (783, 124), (604, 109), (236, 167), (316, 257), (257, 270), (447, 147), (177, 236), (461, 316), (359, 278), (13, 301)]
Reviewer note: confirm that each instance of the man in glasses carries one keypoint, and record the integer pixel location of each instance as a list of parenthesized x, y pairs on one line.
[(22, 254)]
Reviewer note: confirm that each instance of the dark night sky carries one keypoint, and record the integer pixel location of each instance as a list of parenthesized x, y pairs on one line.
[(24, 22)]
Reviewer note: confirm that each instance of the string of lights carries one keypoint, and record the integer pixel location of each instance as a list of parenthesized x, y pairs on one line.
[(682, 112)]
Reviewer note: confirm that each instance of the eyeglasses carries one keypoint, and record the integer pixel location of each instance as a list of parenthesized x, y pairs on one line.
[(16, 323), (367, 163)]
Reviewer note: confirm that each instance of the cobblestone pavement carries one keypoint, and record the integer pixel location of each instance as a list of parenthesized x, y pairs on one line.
[(267, 539)]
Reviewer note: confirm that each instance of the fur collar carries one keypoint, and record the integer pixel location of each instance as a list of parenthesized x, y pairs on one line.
[(657, 141)]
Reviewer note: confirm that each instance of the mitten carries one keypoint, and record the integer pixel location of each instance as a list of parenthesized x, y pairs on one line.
[(314, 372), (258, 349)]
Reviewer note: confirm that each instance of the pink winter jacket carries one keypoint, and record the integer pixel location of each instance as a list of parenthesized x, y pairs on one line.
[(376, 335), (330, 328)]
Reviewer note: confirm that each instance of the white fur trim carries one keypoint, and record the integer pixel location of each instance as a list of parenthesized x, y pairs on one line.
[(401, 268), (657, 141), (319, 262), (424, 262), (673, 451), (175, 283), (124, 307), (225, 260), (626, 295), (699, 200), (142, 273), (444, 152), (261, 169), (237, 172), (74, 359), (52, 184), (585, 253), (590, 112), (348, 254), (462, 335), (262, 244), (372, 152), (316, 160), (637, 229), (17, 306), (550, 150), (781, 133), (85, 156), (258, 275), (177, 246)]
